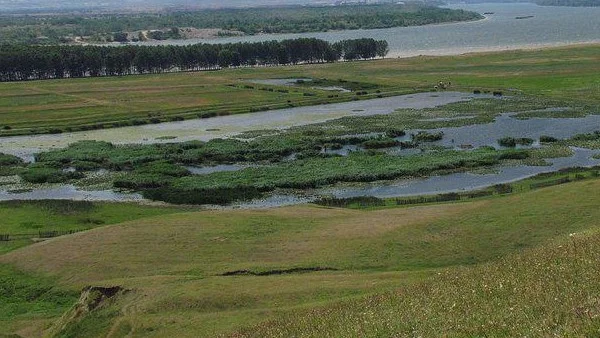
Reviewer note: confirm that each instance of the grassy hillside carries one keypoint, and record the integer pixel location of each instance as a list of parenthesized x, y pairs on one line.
[(568, 73), (24, 221), (173, 267), (548, 291)]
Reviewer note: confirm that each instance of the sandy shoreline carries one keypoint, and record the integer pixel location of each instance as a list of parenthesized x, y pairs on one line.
[(487, 49)]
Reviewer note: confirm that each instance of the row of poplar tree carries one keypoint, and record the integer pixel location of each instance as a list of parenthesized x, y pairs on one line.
[(18, 63)]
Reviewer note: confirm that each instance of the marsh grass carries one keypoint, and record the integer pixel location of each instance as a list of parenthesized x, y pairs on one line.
[(317, 172)]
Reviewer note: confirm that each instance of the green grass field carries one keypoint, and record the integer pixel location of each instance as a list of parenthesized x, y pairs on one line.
[(567, 73), (548, 291), (24, 221), (172, 263)]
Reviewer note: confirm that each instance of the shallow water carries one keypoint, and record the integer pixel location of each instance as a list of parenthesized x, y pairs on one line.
[(279, 82), (549, 26), (343, 151), (224, 126), (505, 125), (70, 192), (333, 89), (460, 181), (404, 187), (446, 119), (271, 201), (475, 135)]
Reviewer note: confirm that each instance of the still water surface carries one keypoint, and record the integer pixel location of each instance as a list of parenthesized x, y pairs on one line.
[(549, 26)]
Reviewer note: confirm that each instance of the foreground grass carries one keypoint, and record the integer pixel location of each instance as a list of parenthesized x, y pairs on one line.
[(566, 73), (173, 264), (548, 291), (25, 299)]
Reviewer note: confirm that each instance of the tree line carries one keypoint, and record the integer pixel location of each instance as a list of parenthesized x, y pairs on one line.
[(18, 62)]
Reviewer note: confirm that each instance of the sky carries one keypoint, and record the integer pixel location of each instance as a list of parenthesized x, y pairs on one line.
[(13, 5)]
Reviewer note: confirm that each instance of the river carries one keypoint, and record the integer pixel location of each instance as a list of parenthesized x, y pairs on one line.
[(548, 26)]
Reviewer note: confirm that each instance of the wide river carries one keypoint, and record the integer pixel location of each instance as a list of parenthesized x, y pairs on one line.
[(548, 26)]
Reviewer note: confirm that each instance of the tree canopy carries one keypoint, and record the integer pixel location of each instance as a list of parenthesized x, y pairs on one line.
[(21, 62)]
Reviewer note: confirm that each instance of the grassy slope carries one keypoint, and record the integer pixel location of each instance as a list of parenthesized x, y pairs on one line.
[(172, 262), (26, 219), (550, 291), (573, 72), (28, 301)]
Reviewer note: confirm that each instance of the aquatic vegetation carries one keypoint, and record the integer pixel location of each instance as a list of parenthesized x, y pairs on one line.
[(9, 160), (43, 174), (320, 171), (10, 165), (512, 142)]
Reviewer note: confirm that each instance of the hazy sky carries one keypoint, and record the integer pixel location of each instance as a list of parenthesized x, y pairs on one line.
[(141, 4)]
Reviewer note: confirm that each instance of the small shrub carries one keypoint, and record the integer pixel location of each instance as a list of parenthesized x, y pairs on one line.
[(511, 142), (424, 136), (547, 139), (205, 115), (514, 155), (503, 188), (362, 201), (41, 174), (587, 137), (137, 122), (380, 143), (9, 160), (392, 132)]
